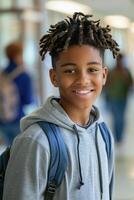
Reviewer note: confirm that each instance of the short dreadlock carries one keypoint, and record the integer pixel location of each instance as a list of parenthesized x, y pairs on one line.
[(79, 29)]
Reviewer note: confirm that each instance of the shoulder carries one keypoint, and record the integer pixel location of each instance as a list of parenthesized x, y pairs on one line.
[(107, 137), (105, 130), (32, 136)]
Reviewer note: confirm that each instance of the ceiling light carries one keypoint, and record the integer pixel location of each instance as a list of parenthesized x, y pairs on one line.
[(67, 7), (117, 21)]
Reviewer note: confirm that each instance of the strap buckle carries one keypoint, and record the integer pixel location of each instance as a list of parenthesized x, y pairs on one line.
[(50, 191)]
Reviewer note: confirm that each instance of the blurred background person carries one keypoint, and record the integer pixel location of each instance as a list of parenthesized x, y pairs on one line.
[(15, 92), (118, 87)]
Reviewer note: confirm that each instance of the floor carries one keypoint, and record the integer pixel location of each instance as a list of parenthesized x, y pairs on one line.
[(124, 185)]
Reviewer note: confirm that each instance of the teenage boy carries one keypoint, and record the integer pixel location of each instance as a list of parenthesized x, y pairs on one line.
[(77, 47)]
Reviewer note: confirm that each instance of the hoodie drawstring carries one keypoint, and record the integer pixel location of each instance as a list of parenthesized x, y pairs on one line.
[(99, 161), (98, 156), (78, 153)]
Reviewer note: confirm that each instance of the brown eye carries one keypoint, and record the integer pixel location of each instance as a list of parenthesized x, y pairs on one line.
[(69, 71), (93, 70)]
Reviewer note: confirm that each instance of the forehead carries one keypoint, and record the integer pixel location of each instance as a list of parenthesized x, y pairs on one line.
[(79, 54)]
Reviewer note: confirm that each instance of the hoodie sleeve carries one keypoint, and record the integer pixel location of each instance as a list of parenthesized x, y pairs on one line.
[(26, 174)]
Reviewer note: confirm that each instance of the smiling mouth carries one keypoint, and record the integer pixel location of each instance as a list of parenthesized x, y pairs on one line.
[(83, 92)]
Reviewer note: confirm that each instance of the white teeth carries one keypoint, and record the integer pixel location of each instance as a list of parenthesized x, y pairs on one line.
[(82, 92)]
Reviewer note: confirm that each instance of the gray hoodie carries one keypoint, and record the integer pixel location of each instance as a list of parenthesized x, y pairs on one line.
[(27, 171)]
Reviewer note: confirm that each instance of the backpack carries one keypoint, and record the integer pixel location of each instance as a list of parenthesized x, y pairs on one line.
[(9, 95), (58, 158)]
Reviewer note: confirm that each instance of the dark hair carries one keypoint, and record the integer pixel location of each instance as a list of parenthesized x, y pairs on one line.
[(79, 29), (13, 49)]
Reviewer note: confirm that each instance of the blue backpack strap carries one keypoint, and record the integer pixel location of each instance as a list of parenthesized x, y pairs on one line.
[(58, 157), (106, 137)]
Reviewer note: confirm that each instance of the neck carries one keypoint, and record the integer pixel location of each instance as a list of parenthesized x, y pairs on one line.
[(78, 116)]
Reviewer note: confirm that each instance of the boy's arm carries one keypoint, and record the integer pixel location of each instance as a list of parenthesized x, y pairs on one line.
[(26, 174)]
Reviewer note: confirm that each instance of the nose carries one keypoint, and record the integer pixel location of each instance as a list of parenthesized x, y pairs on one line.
[(83, 78)]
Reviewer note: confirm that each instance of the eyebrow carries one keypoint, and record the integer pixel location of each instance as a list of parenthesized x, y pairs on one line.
[(66, 64), (73, 64)]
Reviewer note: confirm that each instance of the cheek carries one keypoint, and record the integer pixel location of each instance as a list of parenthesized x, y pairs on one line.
[(64, 81)]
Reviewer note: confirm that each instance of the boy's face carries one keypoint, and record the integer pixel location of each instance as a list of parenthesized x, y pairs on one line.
[(79, 74)]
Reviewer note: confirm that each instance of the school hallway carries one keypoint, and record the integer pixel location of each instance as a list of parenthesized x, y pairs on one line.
[(124, 155)]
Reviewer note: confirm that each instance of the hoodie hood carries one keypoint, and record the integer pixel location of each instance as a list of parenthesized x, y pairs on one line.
[(52, 112)]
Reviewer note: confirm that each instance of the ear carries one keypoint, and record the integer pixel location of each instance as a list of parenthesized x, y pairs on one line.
[(53, 77), (105, 73)]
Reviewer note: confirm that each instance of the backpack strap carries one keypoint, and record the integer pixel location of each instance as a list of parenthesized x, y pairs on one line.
[(106, 137), (58, 157), (4, 157)]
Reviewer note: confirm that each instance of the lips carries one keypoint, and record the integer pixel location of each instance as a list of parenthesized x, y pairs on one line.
[(83, 92)]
